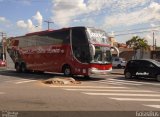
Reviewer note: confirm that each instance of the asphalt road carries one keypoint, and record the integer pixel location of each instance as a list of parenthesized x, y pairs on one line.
[(23, 92)]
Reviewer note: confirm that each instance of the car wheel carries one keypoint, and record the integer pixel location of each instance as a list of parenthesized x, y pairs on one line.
[(119, 66), (128, 75), (67, 71), (158, 78)]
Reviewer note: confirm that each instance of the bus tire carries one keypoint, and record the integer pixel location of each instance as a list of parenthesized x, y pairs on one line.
[(67, 70), (18, 67), (23, 67)]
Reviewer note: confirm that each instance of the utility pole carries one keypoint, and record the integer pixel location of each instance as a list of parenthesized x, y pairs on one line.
[(153, 41), (155, 44), (48, 22), (3, 35)]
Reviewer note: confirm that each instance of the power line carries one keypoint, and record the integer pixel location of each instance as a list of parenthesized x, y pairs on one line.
[(139, 29), (133, 33)]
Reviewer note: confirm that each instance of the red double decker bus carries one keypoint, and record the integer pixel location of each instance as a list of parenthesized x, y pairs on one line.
[(72, 51)]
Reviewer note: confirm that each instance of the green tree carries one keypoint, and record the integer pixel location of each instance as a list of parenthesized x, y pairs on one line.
[(138, 43)]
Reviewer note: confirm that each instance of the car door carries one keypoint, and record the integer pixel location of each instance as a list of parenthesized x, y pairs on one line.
[(147, 69), (132, 67), (135, 67)]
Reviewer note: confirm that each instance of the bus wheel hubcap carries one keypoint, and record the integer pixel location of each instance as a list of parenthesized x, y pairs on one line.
[(67, 71)]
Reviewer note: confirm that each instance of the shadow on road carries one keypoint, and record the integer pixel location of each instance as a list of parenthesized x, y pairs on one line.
[(43, 76)]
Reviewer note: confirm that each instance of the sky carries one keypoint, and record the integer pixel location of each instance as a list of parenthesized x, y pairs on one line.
[(121, 18)]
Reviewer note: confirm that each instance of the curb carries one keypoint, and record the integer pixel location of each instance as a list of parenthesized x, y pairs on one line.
[(117, 73)]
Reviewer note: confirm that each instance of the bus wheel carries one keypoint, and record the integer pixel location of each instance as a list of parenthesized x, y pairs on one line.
[(18, 67), (67, 70), (158, 78), (128, 75), (23, 67)]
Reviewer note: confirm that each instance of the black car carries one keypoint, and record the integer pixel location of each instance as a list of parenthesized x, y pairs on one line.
[(146, 68)]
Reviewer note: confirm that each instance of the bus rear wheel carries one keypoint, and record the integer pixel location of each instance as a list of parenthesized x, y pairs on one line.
[(23, 67), (67, 71), (18, 67)]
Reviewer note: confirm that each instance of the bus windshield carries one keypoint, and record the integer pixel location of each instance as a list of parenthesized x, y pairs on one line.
[(97, 36), (90, 46), (102, 55)]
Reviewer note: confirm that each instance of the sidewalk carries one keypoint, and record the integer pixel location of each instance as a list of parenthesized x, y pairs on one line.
[(118, 71)]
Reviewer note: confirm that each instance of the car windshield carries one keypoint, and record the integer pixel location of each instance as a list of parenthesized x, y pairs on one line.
[(156, 62)]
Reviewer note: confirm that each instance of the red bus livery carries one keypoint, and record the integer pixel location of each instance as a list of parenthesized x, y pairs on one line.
[(72, 51)]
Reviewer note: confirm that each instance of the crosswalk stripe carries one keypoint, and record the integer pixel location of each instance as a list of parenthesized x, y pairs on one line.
[(123, 82), (98, 87), (154, 106), (135, 99), (157, 84), (116, 82), (124, 94), (113, 83), (108, 90)]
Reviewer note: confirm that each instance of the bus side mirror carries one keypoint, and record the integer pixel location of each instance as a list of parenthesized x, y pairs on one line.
[(116, 49)]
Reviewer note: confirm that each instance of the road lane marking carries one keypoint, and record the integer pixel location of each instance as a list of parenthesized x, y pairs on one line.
[(26, 81), (108, 90), (135, 99), (123, 94), (99, 87), (154, 106), (16, 80), (2, 93)]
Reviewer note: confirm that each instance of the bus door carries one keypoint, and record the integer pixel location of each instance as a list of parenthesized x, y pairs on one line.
[(80, 49)]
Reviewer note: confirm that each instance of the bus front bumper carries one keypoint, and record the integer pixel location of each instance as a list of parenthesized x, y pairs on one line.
[(95, 71)]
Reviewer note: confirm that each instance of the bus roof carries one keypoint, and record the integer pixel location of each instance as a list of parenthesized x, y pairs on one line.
[(47, 31), (40, 32)]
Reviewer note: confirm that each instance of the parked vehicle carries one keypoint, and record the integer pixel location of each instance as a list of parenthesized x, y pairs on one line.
[(143, 68), (118, 62), (2, 63), (72, 51)]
